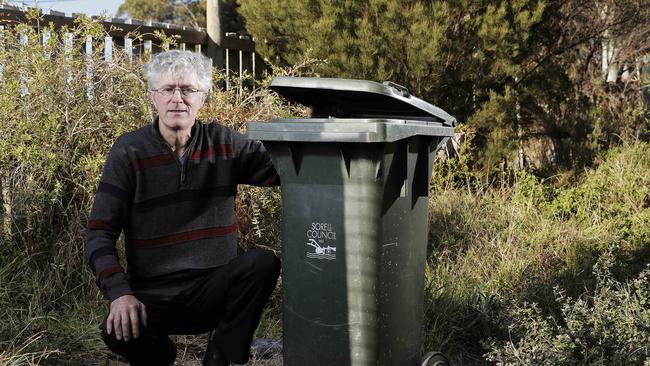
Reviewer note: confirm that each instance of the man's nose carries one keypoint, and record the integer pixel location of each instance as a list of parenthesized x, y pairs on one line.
[(177, 97)]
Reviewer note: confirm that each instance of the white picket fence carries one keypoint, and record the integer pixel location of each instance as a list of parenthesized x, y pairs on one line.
[(238, 52)]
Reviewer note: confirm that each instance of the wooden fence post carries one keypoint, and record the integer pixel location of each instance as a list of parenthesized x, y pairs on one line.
[(215, 32)]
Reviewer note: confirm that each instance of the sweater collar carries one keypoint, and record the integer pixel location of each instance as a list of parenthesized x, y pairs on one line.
[(193, 135)]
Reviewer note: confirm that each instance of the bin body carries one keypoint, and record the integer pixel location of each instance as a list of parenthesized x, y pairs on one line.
[(355, 214)]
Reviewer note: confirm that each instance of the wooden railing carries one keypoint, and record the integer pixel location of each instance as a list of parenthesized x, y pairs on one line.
[(137, 38)]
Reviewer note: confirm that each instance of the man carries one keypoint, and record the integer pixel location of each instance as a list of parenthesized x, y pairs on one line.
[(170, 186)]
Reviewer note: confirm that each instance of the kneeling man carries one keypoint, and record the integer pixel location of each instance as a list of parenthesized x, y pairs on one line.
[(170, 187)]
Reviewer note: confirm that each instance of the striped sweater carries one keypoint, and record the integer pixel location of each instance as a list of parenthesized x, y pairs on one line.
[(178, 219)]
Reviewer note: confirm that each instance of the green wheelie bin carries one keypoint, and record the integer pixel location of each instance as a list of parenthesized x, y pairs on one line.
[(355, 187)]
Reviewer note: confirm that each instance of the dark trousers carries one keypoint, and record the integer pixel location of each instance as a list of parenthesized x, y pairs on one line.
[(229, 301)]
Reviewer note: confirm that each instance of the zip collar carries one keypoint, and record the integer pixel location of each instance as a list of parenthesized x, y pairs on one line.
[(189, 146)]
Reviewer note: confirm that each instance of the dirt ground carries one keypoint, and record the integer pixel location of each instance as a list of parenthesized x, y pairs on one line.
[(190, 353)]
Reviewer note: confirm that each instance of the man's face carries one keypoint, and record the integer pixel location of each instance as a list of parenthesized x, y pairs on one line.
[(177, 111)]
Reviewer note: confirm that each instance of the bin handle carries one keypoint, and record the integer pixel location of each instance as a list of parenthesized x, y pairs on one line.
[(401, 89)]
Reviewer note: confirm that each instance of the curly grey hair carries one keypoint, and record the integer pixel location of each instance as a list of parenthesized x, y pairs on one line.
[(178, 64)]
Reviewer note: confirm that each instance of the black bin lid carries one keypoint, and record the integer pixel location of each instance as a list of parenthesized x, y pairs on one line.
[(350, 98)]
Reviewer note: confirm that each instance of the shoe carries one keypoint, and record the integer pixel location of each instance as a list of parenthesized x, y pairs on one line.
[(213, 355), (172, 358)]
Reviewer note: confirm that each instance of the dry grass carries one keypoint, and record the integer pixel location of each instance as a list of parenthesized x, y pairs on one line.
[(191, 350), (517, 242)]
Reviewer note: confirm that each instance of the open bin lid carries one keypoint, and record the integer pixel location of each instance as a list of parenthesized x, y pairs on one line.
[(346, 110), (349, 98)]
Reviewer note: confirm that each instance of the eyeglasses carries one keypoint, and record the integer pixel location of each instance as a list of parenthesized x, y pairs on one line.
[(185, 91)]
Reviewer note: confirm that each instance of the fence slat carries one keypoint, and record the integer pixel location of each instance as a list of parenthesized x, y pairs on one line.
[(45, 37), (23, 73), (89, 67), (188, 38), (128, 47), (2, 49), (241, 72), (148, 48), (67, 49), (227, 68), (241, 63), (253, 54), (67, 42), (108, 49)]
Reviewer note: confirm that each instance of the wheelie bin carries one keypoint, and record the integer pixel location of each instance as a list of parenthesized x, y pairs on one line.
[(355, 186)]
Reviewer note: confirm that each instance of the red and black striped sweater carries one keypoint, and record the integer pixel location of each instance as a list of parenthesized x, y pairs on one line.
[(178, 219)]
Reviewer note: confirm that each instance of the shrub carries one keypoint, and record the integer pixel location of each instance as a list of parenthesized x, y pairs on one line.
[(492, 246), (53, 146), (607, 327)]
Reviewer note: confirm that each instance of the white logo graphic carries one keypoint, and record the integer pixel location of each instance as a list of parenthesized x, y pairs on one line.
[(317, 236)]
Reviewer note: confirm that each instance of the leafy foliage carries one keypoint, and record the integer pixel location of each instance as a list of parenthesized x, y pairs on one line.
[(606, 327), (182, 12), (497, 244), (523, 75), (61, 113), (496, 249)]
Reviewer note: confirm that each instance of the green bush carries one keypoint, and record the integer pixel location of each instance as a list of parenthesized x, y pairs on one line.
[(53, 146), (518, 73), (494, 245), (497, 242), (607, 327)]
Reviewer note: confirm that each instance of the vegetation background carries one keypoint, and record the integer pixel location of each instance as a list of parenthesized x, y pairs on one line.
[(539, 238)]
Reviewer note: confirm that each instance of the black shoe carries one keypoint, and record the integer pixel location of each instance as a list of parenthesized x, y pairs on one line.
[(213, 355), (173, 356)]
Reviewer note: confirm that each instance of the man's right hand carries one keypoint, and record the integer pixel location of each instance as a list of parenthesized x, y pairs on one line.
[(126, 315)]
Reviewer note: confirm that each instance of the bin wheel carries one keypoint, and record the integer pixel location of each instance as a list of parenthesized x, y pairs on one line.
[(434, 359)]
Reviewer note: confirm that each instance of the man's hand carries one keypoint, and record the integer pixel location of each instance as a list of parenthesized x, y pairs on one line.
[(125, 317)]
